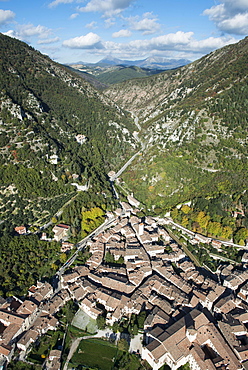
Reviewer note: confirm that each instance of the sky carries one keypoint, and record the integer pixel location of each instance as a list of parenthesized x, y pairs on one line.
[(69, 31)]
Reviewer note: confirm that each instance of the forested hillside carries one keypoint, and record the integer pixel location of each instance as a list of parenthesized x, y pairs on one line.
[(44, 107), (193, 119), (194, 125)]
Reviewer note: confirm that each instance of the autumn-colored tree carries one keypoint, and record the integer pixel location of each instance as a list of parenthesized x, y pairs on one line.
[(63, 257), (174, 214), (226, 232), (240, 236), (186, 209), (214, 228), (202, 219), (185, 221)]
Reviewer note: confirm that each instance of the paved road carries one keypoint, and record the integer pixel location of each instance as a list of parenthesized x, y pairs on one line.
[(136, 121), (123, 168), (81, 245), (191, 233), (114, 177)]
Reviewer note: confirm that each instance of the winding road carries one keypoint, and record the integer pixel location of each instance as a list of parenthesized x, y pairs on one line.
[(123, 168)]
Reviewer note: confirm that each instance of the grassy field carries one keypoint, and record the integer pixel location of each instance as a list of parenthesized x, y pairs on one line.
[(95, 353)]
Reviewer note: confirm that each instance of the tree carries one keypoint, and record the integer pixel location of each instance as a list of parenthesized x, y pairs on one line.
[(185, 209), (141, 319), (121, 260), (185, 221), (240, 236), (63, 257), (123, 345), (202, 219), (214, 228), (226, 232), (115, 327), (54, 220), (109, 258), (101, 322)]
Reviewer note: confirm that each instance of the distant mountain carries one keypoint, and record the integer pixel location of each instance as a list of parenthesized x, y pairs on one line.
[(116, 74), (96, 82), (103, 75), (162, 63), (109, 60), (150, 62), (111, 70)]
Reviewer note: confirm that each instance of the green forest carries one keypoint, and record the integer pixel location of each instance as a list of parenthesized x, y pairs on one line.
[(24, 260), (43, 107)]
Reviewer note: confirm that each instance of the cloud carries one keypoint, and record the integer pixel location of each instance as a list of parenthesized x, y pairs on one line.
[(48, 41), (171, 40), (55, 3), (25, 31), (209, 44), (182, 41), (12, 33), (28, 30), (109, 22), (74, 15), (89, 41), (6, 16), (92, 25), (230, 16), (237, 25), (122, 33), (173, 45), (147, 25), (107, 7)]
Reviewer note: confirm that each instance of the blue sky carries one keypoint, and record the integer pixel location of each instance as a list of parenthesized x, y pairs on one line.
[(88, 30)]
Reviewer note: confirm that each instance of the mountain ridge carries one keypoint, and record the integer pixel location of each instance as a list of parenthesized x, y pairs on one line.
[(149, 62)]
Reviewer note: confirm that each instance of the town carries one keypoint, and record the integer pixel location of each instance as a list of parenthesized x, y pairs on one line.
[(192, 316)]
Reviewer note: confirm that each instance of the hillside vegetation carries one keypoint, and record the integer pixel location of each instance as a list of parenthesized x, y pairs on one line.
[(194, 125), (44, 106)]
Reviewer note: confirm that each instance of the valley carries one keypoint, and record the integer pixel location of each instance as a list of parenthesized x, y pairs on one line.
[(126, 204)]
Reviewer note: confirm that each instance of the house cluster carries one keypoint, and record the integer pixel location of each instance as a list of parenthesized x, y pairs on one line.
[(22, 322), (192, 316), (60, 235)]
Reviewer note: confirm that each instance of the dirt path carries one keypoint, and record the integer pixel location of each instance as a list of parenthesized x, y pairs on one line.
[(73, 348)]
